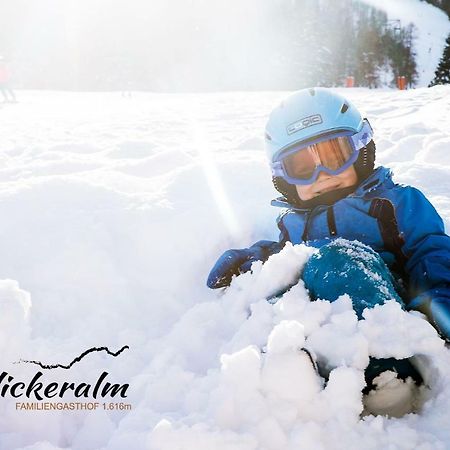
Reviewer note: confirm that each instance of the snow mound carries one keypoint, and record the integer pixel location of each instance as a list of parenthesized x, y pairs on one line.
[(112, 217), (271, 391)]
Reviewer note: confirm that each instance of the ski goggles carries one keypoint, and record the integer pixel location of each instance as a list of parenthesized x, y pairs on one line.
[(332, 154)]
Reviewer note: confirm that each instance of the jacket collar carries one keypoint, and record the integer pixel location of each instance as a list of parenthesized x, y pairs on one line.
[(381, 175)]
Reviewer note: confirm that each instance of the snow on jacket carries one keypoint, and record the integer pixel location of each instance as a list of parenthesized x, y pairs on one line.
[(397, 221)]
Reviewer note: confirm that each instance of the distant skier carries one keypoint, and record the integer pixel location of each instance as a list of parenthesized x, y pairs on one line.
[(5, 81), (377, 240)]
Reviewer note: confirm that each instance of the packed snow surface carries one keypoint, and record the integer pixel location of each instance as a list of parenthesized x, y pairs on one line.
[(114, 209)]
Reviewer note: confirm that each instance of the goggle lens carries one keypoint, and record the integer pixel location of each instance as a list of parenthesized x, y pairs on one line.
[(331, 154)]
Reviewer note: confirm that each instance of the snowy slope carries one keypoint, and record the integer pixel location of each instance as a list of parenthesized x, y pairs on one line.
[(113, 211), (433, 27)]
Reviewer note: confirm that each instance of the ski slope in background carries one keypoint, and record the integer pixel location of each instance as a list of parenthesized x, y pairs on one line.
[(432, 29), (114, 209)]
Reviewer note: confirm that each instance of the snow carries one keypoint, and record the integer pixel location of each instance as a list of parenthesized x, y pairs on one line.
[(114, 210), (433, 27)]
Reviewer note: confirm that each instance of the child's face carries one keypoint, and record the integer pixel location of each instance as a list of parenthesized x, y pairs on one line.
[(326, 183)]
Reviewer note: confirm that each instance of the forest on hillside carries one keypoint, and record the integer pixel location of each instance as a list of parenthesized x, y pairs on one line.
[(201, 45)]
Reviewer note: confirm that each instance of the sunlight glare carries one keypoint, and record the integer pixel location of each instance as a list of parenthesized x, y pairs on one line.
[(212, 175)]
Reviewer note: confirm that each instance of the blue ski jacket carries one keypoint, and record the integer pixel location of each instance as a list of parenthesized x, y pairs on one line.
[(397, 221)]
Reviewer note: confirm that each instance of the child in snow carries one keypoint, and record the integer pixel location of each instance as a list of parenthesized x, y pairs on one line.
[(377, 240)]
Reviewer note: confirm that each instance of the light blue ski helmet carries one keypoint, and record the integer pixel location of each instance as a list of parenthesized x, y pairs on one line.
[(306, 115), (312, 115)]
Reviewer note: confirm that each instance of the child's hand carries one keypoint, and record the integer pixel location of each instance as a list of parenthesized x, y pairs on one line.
[(234, 262), (227, 265)]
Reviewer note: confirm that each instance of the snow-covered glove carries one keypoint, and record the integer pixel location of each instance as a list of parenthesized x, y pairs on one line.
[(234, 262), (436, 306)]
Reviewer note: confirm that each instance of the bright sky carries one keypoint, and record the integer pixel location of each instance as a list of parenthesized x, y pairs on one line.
[(205, 44)]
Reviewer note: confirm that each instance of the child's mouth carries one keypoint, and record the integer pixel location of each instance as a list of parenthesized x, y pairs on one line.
[(327, 189)]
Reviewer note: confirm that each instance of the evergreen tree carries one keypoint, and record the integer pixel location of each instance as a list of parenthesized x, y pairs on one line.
[(369, 54), (398, 45), (442, 74)]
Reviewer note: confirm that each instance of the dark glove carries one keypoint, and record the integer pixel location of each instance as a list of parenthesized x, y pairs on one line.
[(437, 309), (234, 262), (440, 310)]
